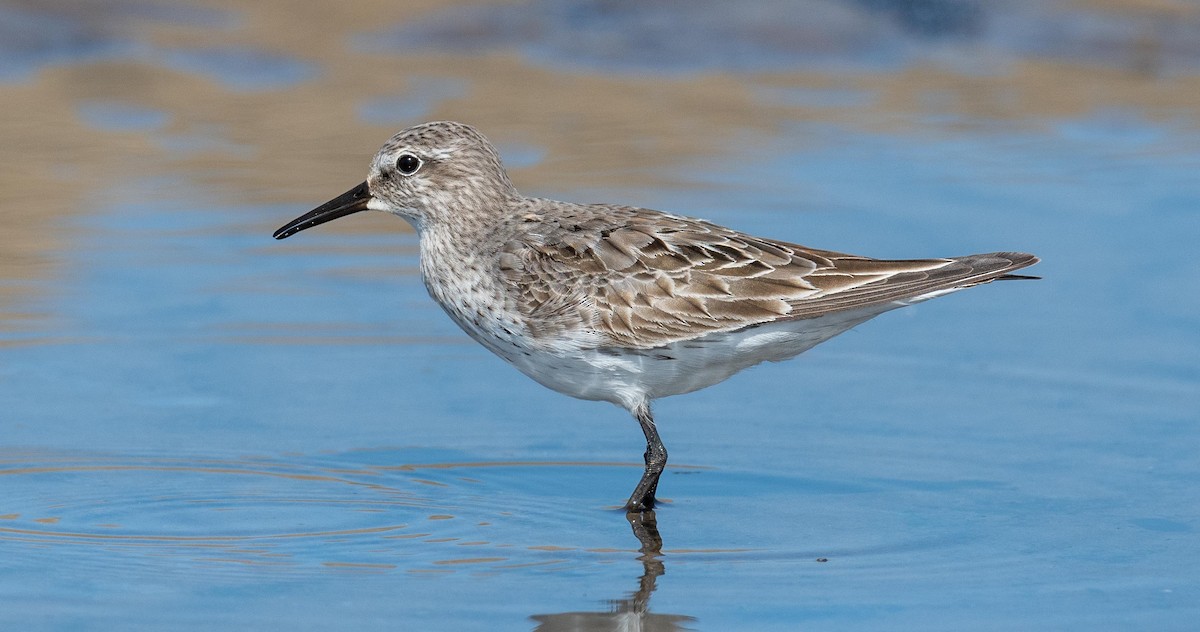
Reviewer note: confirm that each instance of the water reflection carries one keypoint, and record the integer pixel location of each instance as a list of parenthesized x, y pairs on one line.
[(632, 612)]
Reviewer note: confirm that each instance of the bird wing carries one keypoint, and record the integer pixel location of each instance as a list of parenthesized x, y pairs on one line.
[(641, 279)]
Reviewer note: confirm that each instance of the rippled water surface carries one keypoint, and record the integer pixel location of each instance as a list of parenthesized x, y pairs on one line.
[(203, 428)]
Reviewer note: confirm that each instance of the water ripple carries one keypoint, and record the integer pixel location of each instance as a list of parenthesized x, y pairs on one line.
[(296, 514)]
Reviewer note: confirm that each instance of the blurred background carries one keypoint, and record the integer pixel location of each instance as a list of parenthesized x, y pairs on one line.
[(200, 426)]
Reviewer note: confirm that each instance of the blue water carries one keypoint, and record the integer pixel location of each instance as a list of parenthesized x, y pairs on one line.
[(207, 428)]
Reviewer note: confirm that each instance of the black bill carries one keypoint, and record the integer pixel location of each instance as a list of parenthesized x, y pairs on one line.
[(351, 201)]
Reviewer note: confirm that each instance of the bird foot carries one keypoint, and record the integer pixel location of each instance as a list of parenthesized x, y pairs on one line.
[(640, 504)]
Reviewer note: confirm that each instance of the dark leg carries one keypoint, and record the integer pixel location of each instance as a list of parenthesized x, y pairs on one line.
[(642, 498)]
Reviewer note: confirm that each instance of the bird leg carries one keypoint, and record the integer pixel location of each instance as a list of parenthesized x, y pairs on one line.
[(642, 498)]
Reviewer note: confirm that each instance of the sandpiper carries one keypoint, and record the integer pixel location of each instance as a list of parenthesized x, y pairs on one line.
[(618, 303)]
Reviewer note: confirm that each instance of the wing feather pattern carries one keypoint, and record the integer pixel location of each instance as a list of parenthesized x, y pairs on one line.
[(640, 279)]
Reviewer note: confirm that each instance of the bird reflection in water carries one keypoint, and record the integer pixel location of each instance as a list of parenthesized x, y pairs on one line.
[(633, 612)]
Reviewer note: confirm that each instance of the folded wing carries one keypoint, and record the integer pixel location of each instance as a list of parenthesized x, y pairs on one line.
[(640, 279)]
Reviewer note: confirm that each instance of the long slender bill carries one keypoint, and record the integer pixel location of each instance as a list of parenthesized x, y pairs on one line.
[(351, 201)]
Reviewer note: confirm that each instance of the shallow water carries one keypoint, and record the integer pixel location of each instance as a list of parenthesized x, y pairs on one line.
[(203, 427)]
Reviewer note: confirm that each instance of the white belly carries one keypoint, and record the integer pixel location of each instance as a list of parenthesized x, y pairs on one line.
[(627, 377)]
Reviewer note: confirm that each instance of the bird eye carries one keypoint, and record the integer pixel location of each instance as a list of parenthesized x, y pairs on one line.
[(408, 164)]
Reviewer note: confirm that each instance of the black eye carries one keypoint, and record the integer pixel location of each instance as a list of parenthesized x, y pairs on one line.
[(408, 164)]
